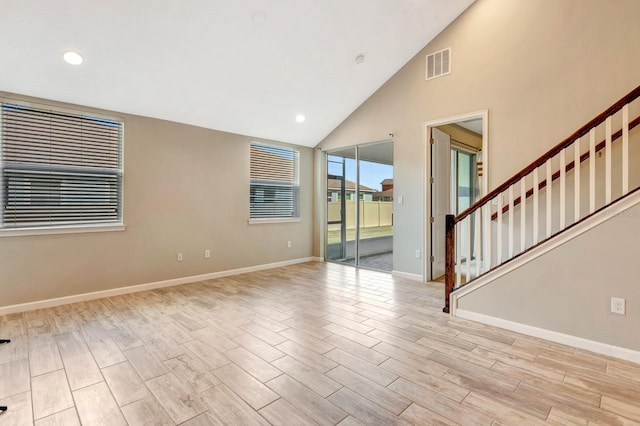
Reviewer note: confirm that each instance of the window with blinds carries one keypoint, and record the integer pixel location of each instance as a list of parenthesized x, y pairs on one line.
[(274, 182), (59, 168)]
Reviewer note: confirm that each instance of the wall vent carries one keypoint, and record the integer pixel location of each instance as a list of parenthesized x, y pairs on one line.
[(439, 63)]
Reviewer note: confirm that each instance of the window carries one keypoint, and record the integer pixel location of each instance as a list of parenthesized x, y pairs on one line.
[(58, 169), (274, 182)]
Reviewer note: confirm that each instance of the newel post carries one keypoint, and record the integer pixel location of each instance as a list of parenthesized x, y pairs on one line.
[(449, 268), (3, 408)]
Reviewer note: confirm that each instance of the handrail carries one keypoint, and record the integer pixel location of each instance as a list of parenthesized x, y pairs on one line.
[(570, 166), (452, 222), (599, 119)]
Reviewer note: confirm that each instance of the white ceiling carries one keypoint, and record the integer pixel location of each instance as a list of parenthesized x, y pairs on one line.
[(474, 125), (207, 63)]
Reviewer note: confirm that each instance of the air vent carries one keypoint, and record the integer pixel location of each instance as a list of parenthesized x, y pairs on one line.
[(439, 63)]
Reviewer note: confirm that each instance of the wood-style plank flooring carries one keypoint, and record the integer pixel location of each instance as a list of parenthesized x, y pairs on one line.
[(315, 343)]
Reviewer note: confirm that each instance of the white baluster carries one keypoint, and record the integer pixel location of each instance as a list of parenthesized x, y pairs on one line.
[(477, 244), (535, 206), (549, 193), (592, 170), (458, 267), (576, 180), (563, 168), (625, 149), (523, 213), (499, 232), (488, 235), (511, 206), (468, 246), (607, 162)]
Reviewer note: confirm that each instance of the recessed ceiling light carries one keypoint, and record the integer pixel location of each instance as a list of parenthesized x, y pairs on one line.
[(359, 59), (258, 17), (72, 58), (300, 118)]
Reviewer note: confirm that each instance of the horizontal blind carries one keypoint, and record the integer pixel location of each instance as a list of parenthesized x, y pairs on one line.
[(274, 182), (59, 168)]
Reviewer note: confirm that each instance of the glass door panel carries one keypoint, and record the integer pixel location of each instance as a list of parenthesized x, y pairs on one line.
[(341, 178), (375, 212), (360, 206)]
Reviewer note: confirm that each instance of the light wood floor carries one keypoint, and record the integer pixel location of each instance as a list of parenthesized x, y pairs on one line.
[(307, 344)]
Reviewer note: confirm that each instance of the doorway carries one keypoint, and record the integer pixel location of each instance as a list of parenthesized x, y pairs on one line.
[(360, 206), (457, 177)]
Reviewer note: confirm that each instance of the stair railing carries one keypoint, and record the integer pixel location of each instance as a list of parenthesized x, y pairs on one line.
[(504, 224)]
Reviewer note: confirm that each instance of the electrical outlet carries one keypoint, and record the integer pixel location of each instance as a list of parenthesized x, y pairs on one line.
[(418, 254), (617, 305), (288, 244), (207, 254), (179, 256)]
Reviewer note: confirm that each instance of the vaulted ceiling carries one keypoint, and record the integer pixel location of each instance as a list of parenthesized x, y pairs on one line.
[(242, 66)]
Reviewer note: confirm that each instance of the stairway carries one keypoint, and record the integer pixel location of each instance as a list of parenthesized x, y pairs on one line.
[(561, 194)]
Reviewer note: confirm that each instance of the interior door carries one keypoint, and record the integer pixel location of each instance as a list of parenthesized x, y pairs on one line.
[(440, 198)]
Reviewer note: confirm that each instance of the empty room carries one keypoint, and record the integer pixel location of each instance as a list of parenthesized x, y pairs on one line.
[(362, 212)]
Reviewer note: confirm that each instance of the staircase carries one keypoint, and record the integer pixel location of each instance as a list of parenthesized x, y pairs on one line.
[(585, 174)]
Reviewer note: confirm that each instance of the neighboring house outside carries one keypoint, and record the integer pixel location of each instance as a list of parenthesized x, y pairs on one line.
[(387, 191), (386, 184), (333, 191)]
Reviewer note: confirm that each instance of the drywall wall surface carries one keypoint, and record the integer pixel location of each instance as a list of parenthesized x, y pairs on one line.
[(542, 68), (569, 289), (186, 189)]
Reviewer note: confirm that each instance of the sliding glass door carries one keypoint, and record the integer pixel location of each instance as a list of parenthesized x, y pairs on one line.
[(360, 206)]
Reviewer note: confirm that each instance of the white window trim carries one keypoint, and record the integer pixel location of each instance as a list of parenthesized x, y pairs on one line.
[(57, 230), (76, 228), (257, 221), (43, 105)]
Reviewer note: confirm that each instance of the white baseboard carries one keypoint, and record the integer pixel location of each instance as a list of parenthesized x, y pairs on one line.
[(554, 336), (400, 274), (48, 303)]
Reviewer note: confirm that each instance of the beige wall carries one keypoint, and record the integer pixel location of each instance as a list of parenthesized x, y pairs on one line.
[(185, 189), (541, 67)]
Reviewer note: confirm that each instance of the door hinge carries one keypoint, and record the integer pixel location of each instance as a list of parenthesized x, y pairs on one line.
[(432, 179), (432, 141), (432, 259), (432, 219)]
